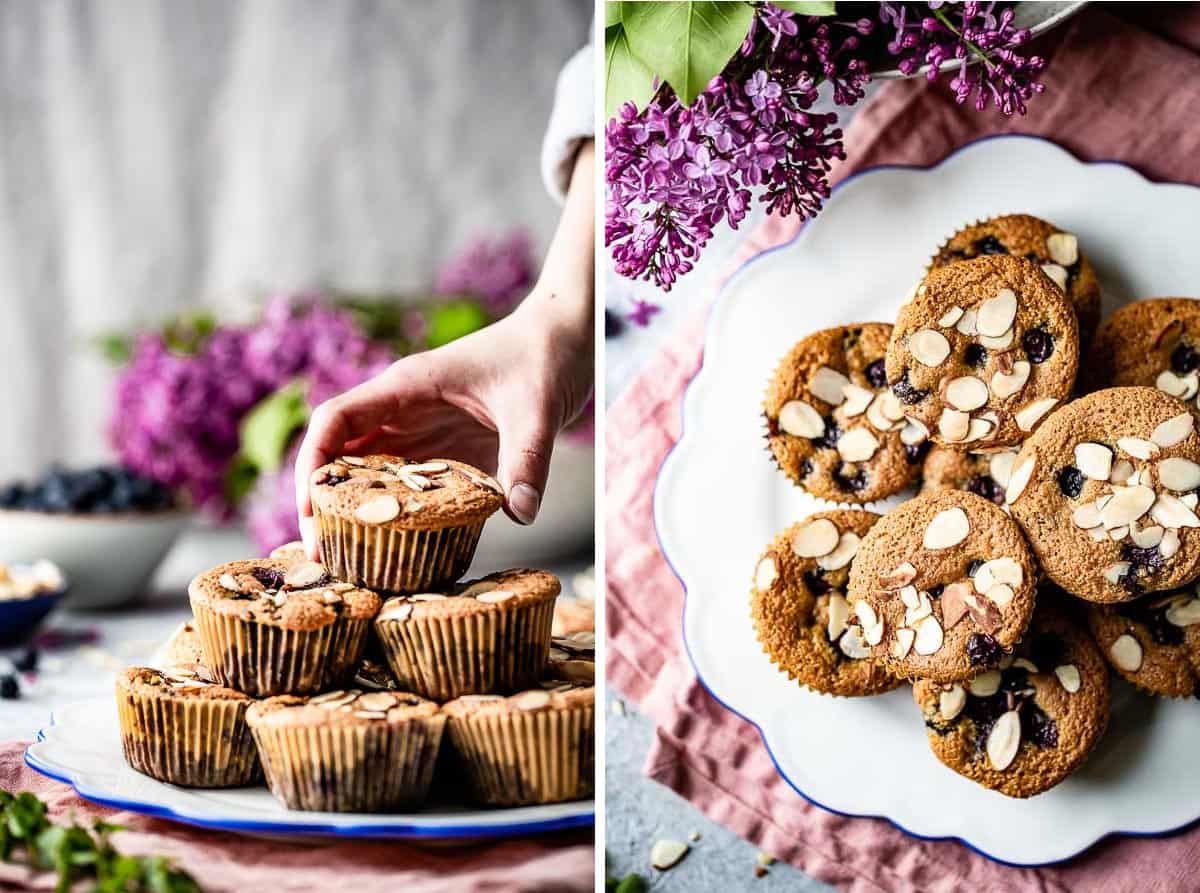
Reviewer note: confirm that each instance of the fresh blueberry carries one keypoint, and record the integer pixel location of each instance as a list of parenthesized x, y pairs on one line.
[(975, 355), (829, 438), (816, 583), (1037, 727), (1038, 344), (915, 452), (1070, 481), (990, 245), (983, 485), (1184, 359), (907, 393), (876, 374), (852, 483), (269, 577), (1161, 630), (983, 649)]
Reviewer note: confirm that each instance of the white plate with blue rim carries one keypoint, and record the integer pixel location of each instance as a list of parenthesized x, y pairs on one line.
[(82, 748), (855, 262)]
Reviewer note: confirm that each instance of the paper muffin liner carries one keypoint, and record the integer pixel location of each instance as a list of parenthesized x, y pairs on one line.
[(395, 560), (371, 767), (263, 660), (442, 658), (518, 759), (192, 742)]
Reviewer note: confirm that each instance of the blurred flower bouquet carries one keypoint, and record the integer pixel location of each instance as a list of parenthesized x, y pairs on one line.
[(216, 410), (711, 103)]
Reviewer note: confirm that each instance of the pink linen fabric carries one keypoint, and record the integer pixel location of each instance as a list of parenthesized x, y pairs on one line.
[(1122, 89)]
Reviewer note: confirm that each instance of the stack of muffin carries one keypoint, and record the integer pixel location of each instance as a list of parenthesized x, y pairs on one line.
[(1056, 531), (339, 681)]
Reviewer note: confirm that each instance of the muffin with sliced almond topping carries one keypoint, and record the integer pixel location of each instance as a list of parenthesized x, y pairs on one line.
[(478, 637), (270, 626), (180, 727), (536, 746), (398, 526), (348, 751)]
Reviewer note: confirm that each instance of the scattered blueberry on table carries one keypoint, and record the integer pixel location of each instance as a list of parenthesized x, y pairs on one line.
[(103, 489)]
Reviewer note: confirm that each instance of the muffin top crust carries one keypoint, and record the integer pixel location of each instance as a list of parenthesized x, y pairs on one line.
[(341, 707), (500, 591), (177, 682), (388, 491)]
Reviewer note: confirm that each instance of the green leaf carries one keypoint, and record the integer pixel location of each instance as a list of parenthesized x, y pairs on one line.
[(686, 43), (453, 320), (116, 348), (632, 883), (267, 429), (799, 7), (626, 77), (612, 13)]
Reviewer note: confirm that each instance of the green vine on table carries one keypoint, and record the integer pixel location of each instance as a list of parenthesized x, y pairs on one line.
[(77, 853)]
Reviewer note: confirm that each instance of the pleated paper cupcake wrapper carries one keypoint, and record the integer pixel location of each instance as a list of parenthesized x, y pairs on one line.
[(526, 758), (263, 660), (393, 560), (375, 767), (443, 658), (188, 741)]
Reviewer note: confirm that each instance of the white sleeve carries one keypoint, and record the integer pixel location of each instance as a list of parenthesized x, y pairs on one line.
[(571, 121)]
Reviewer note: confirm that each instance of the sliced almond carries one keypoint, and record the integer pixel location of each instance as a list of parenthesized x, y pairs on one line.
[(948, 528), (765, 574), (913, 432), (495, 597), (1146, 537), (1178, 474), (396, 612), (985, 614), (873, 635), (1115, 571), (928, 636), (922, 609), (531, 700), (1029, 415), (857, 399), (851, 644), (891, 407), (427, 468), (1000, 595), (667, 853), (839, 616), (1127, 504), (1174, 430), (1057, 275), (1126, 653), (901, 575), (1190, 500), (928, 347), (1063, 248), (1117, 534), (352, 460), (815, 538), (1169, 544), (828, 385), (910, 596), (986, 684), (1019, 480), (857, 445), (1170, 383), (1122, 470), (1170, 511), (866, 614), (480, 586), (1000, 466), (954, 425), (951, 702), (966, 322), (1003, 740), (981, 427), (996, 314), (847, 548), (1098, 533), (1086, 516), (1185, 612), (953, 602), (1094, 460), (903, 643), (966, 393), (801, 420), (1068, 676), (950, 317), (302, 574), (1136, 447), (229, 581), (376, 701), (427, 597), (998, 570), (379, 510), (1006, 384)]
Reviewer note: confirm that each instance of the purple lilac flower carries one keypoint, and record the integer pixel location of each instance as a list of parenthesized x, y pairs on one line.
[(271, 516), (673, 173), (499, 272), (642, 312)]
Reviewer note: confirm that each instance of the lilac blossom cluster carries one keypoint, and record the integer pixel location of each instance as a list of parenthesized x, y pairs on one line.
[(177, 415), (498, 272), (673, 173), (966, 32)]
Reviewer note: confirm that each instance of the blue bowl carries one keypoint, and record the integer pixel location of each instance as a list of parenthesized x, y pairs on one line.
[(19, 617)]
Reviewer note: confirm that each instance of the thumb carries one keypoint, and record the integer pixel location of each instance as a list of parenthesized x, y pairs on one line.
[(524, 465)]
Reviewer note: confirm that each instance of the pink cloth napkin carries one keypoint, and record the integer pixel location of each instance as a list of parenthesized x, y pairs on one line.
[(232, 863), (1116, 89)]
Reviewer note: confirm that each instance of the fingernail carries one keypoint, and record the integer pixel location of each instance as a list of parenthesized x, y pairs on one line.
[(524, 502), (309, 537)]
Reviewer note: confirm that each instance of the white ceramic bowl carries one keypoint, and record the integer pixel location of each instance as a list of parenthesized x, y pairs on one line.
[(109, 559)]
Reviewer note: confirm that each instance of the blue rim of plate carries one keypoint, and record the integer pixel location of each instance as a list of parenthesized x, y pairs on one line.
[(732, 278), (392, 832)]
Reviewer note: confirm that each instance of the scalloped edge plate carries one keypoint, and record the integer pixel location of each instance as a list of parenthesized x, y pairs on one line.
[(869, 757), (82, 748)]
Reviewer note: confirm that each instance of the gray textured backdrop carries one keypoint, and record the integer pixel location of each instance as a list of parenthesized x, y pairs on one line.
[(158, 154)]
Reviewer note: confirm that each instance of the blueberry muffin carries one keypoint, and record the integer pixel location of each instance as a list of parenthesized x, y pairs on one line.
[(798, 604), (536, 746), (1153, 343), (943, 587), (1105, 492), (398, 526), (487, 635), (1153, 641), (984, 474), (348, 751), (983, 351), (1055, 251), (180, 727), (1023, 727), (833, 426), (271, 626)]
